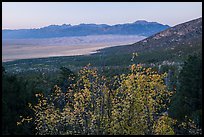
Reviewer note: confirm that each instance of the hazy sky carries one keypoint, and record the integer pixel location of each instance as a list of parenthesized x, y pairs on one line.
[(18, 15)]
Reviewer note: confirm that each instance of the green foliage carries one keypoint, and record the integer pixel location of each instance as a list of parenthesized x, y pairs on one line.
[(16, 92), (3, 70), (187, 127), (139, 102), (164, 126), (188, 99), (66, 78), (112, 100), (136, 106), (107, 100)]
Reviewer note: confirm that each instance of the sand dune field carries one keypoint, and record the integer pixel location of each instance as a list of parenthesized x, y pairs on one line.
[(13, 49)]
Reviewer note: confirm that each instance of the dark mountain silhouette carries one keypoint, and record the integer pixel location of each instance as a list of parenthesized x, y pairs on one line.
[(141, 28), (186, 36)]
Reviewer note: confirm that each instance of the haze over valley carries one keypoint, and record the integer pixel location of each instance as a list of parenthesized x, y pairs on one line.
[(111, 68), (69, 40), (13, 49)]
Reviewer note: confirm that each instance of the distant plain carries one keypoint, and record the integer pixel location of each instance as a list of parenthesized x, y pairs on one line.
[(14, 49)]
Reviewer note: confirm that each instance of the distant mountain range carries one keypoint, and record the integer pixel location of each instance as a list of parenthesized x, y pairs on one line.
[(140, 27), (178, 41), (167, 47)]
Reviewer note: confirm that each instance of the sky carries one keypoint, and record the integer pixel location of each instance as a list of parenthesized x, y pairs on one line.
[(23, 15)]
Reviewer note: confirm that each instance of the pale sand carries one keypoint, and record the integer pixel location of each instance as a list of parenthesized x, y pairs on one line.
[(38, 48)]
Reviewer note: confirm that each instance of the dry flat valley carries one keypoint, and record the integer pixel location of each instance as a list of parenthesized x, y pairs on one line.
[(14, 49)]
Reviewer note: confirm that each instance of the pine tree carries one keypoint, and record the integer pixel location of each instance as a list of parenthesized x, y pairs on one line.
[(188, 99)]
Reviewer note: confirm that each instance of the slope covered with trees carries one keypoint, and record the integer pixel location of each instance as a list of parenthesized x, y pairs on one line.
[(189, 91), (135, 103), (161, 94)]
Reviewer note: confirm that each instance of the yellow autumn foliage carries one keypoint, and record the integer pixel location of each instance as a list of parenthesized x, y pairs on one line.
[(136, 107)]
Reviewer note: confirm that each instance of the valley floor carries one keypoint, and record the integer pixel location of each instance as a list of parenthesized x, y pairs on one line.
[(14, 49)]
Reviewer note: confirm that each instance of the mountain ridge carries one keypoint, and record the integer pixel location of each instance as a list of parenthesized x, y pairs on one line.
[(140, 27), (185, 36)]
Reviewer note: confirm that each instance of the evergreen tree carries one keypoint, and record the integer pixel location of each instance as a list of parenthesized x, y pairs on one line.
[(16, 93), (188, 99)]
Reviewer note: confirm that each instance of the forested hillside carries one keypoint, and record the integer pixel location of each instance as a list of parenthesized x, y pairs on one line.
[(153, 87), (170, 44), (88, 102)]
